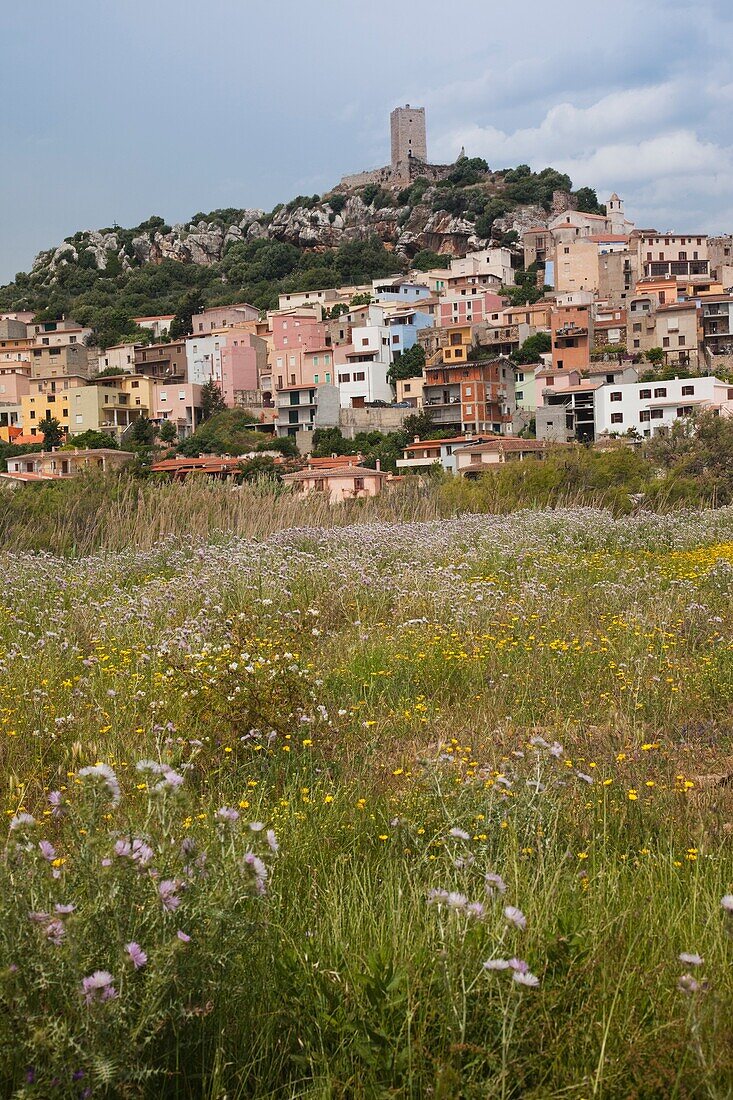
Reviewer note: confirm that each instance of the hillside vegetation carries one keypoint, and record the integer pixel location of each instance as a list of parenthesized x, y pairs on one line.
[(107, 277)]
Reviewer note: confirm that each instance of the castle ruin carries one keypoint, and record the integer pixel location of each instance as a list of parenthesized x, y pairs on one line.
[(409, 149)]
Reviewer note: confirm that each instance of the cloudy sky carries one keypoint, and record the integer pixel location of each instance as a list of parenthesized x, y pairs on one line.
[(113, 111)]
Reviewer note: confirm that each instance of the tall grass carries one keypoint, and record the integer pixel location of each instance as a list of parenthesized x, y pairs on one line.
[(356, 762)]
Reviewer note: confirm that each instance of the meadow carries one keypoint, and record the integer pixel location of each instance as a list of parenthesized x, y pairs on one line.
[(339, 804)]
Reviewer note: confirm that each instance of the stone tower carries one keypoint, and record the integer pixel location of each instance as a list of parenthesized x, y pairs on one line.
[(407, 127), (615, 214)]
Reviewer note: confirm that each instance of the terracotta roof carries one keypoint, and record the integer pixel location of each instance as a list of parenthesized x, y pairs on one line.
[(607, 237), (578, 389), (509, 443), (331, 462), (338, 471), (205, 463), (438, 442)]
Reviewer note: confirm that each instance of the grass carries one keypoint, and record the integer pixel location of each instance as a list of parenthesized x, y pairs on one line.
[(405, 708)]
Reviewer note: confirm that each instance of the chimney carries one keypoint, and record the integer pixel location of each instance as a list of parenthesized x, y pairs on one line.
[(416, 439), (379, 465)]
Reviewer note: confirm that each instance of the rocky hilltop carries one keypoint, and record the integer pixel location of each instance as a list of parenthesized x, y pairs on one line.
[(318, 224)]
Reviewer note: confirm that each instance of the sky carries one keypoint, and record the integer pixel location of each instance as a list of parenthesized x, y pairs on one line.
[(113, 111)]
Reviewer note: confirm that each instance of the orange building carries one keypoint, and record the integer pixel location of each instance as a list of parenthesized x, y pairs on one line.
[(571, 328)]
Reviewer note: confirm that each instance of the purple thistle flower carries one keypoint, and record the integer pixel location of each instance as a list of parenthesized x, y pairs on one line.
[(272, 840), (584, 777), (726, 903), (138, 958), (687, 984), (38, 917), (494, 884), (55, 800), (475, 909), (64, 910), (168, 895), (183, 937), (137, 850), (256, 826), (98, 987), (519, 965), (497, 964), (108, 777), (516, 917), (21, 821), (456, 900), (47, 850), (258, 870), (525, 978), (55, 931), (459, 834), (227, 814), (690, 958)]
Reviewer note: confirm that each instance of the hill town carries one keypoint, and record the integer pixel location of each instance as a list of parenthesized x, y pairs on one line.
[(507, 314)]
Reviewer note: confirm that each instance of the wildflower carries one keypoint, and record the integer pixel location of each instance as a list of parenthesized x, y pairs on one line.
[(455, 900), (494, 884), (272, 840), (460, 834), (54, 801), (525, 978), (687, 984), (476, 909), (47, 850), (167, 893), (727, 903), (256, 826), (437, 897), (20, 821), (98, 987), (497, 964), (55, 931), (516, 917), (227, 814), (183, 937), (258, 870), (690, 958), (138, 958), (170, 780), (584, 777), (519, 965), (108, 777), (136, 850)]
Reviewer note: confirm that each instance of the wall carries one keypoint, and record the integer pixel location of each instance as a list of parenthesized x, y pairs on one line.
[(389, 419)]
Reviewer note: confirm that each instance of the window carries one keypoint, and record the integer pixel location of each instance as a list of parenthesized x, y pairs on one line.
[(344, 378), (617, 395), (279, 381), (319, 484), (681, 341), (328, 376), (358, 483), (468, 391), (292, 379), (645, 395), (610, 378), (688, 391), (636, 343), (660, 391), (407, 387), (550, 381), (163, 396), (520, 376), (469, 410), (359, 376), (636, 326), (617, 418), (657, 414), (316, 378), (365, 342), (519, 395), (685, 410), (644, 416)]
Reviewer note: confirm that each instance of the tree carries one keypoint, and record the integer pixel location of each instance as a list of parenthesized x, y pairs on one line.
[(212, 400), (655, 355), (230, 432), (182, 323), (588, 201), (407, 364), (143, 432), (363, 299), (426, 259), (168, 433), (418, 424), (259, 468), (533, 348), (52, 433), (90, 441)]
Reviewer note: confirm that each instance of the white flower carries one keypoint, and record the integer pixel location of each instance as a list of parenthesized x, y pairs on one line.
[(690, 958), (516, 917), (524, 977)]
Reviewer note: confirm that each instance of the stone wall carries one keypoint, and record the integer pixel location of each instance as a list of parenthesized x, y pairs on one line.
[(371, 419)]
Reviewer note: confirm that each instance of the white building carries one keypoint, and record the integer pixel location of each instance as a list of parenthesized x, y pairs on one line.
[(362, 366), (649, 406)]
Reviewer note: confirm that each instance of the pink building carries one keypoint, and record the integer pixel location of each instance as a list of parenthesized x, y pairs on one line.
[(15, 382), (302, 352), (224, 317), (470, 305), (179, 402), (338, 484)]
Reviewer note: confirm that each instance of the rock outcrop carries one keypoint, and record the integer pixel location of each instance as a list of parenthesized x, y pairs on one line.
[(318, 226)]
